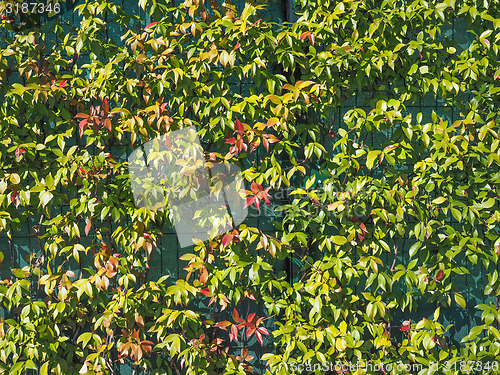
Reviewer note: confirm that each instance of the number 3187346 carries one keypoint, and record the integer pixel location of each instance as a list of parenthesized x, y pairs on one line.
[(31, 7)]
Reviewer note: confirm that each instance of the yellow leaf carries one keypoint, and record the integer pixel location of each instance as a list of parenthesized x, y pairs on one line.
[(439, 200), (339, 206)]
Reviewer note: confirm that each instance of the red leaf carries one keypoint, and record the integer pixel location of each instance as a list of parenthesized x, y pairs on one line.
[(82, 115), (361, 237), (15, 198), (405, 326), (312, 38), (363, 227), (234, 333), (19, 151), (265, 142), (250, 317), (63, 83), (82, 126), (238, 127), (257, 203), (249, 201), (255, 187), (259, 338), (87, 227), (263, 331), (250, 296), (250, 331), (226, 240), (205, 292), (439, 274), (237, 46), (304, 35), (150, 25), (242, 145), (105, 105)]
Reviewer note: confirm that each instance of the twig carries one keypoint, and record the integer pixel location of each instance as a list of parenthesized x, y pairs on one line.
[(395, 255), (11, 253)]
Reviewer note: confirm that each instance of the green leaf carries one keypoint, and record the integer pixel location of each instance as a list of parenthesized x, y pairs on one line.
[(310, 181), (84, 338), (49, 181), (490, 202), (301, 236), (29, 364), (370, 159), (14, 178), (338, 240), (474, 332), (414, 248), (18, 273), (44, 370), (45, 198), (459, 299)]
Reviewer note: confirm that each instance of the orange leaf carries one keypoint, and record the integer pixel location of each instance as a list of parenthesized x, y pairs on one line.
[(139, 320), (105, 105), (107, 124), (87, 227), (223, 324), (203, 275), (82, 115)]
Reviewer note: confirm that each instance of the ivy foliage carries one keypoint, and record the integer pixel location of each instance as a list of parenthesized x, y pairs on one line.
[(388, 207)]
